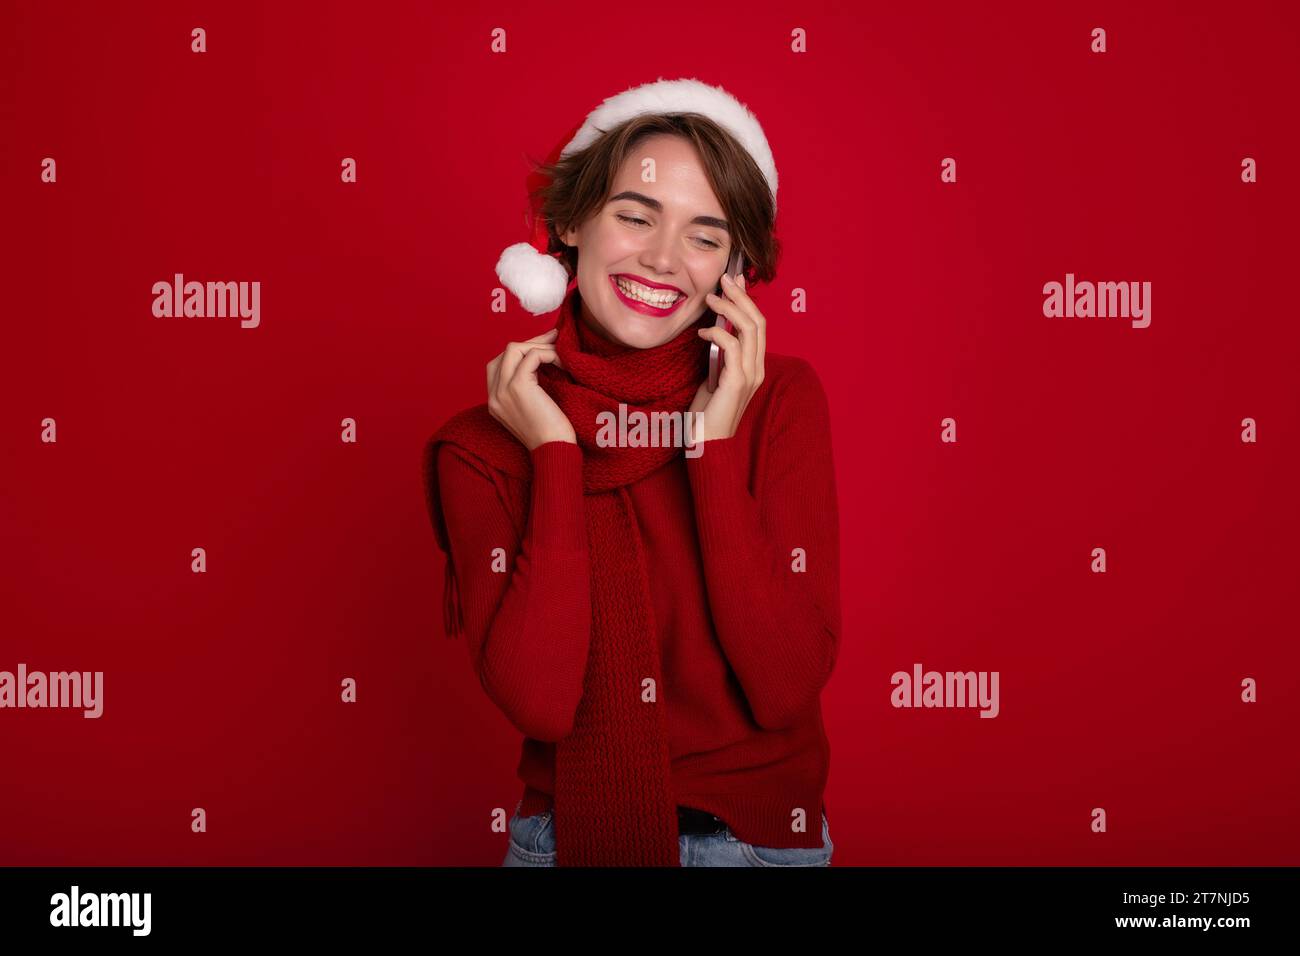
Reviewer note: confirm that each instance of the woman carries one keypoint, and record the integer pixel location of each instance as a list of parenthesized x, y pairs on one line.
[(657, 617)]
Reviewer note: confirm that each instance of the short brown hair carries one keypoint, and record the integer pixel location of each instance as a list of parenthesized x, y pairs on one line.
[(578, 185)]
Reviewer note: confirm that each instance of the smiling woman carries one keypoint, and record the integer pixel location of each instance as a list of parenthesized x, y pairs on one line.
[(657, 205), (671, 609)]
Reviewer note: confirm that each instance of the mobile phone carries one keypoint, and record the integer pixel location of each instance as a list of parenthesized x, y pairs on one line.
[(735, 266)]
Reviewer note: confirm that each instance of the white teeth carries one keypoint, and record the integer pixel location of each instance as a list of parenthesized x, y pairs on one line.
[(635, 290)]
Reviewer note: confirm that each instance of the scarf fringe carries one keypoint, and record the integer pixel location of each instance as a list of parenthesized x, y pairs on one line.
[(452, 619)]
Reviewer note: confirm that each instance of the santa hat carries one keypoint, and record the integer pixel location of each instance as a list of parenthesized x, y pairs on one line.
[(537, 277)]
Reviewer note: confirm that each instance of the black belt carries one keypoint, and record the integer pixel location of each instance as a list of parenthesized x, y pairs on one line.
[(691, 820)]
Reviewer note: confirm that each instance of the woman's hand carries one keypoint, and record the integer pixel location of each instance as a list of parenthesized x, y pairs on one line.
[(742, 373), (518, 401)]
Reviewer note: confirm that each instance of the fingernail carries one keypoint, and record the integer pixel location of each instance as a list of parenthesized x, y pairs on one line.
[(726, 278)]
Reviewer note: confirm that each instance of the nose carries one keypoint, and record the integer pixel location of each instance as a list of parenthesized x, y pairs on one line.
[(661, 254)]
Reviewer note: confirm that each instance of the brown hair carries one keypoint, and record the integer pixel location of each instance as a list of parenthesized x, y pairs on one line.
[(579, 184)]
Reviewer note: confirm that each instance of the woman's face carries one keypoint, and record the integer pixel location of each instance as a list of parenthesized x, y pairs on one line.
[(665, 241)]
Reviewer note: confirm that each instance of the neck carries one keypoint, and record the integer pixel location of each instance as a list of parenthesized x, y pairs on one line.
[(580, 311), (593, 337)]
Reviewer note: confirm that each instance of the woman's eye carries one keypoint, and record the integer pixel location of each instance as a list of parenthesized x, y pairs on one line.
[(708, 243)]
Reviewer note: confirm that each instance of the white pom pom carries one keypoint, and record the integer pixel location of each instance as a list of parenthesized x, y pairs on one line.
[(539, 281)]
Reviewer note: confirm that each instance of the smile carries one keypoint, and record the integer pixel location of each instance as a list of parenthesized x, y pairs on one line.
[(645, 299)]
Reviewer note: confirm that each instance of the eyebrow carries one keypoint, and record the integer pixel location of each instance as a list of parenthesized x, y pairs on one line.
[(657, 206)]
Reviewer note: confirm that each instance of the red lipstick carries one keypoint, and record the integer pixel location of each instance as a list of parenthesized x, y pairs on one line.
[(644, 307)]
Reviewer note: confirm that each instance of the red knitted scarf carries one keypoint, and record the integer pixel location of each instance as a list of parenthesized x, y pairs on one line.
[(614, 803)]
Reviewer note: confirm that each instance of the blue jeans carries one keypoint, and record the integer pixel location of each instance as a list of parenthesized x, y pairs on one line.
[(532, 843)]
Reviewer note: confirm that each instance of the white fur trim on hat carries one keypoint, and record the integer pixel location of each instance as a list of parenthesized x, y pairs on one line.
[(682, 96), (538, 280)]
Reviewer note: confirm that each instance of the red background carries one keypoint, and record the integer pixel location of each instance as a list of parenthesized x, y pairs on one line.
[(1118, 690)]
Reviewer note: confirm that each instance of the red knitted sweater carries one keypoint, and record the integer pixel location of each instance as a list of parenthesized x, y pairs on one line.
[(743, 550)]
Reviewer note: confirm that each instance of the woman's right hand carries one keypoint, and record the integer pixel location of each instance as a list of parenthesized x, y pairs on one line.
[(518, 401)]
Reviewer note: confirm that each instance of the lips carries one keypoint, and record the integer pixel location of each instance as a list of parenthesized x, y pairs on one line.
[(646, 308), (647, 282)]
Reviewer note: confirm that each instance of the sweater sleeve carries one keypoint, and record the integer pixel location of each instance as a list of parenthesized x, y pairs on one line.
[(527, 612), (776, 609)]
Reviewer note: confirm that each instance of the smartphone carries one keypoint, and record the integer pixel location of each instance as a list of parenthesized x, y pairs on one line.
[(735, 266)]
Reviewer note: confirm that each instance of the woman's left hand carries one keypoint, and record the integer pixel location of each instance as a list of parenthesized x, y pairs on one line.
[(742, 372)]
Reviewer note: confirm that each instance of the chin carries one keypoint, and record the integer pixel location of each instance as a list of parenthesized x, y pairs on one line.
[(635, 330)]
